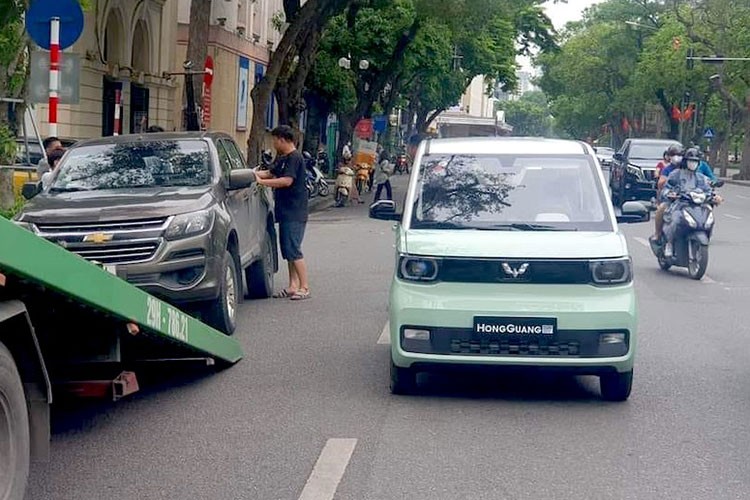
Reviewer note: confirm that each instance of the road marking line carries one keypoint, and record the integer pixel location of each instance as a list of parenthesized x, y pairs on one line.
[(732, 216), (385, 335), (642, 241), (329, 469), (743, 197), (708, 279)]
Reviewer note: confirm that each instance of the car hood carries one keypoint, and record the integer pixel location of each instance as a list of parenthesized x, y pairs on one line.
[(112, 205), (650, 164), (515, 244)]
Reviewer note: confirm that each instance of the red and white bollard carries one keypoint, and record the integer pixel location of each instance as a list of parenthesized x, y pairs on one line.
[(118, 98), (54, 73)]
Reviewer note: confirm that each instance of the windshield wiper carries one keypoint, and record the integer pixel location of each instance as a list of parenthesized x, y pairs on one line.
[(523, 226), (439, 225), (54, 189)]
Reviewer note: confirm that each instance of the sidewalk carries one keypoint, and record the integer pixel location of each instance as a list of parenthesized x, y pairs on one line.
[(731, 172)]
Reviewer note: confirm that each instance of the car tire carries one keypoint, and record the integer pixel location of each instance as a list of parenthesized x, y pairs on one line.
[(14, 429), (221, 313), (259, 275), (616, 386), (403, 380)]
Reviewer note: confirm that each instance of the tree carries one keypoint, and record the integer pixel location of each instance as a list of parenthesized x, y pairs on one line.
[(529, 116), (197, 49)]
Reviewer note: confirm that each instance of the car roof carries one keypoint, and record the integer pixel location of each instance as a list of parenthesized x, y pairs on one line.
[(655, 141), (505, 145), (153, 136)]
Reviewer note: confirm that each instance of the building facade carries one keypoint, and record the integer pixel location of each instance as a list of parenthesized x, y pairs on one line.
[(125, 49)]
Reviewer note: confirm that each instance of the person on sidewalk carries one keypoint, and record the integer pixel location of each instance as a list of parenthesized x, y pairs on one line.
[(382, 178), (53, 159), (287, 178), (50, 144)]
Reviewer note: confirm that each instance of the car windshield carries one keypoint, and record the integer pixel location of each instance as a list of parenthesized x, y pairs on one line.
[(510, 192), (605, 151), (650, 151), (138, 164)]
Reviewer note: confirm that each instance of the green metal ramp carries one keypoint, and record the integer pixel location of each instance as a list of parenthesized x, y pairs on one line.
[(29, 259)]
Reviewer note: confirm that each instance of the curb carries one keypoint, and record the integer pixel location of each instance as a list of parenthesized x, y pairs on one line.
[(735, 182)]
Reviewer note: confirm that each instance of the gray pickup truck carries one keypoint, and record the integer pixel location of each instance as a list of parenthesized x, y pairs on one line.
[(176, 214)]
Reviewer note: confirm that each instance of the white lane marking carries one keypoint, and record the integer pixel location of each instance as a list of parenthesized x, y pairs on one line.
[(707, 279), (642, 241), (733, 216), (742, 197), (329, 469), (385, 335)]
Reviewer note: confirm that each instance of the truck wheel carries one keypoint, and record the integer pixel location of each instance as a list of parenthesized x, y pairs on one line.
[(259, 275), (403, 380), (221, 313), (616, 386), (14, 430)]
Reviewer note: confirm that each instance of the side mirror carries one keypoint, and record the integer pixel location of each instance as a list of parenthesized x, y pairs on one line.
[(384, 210), (241, 178), (31, 189), (634, 212), (618, 157)]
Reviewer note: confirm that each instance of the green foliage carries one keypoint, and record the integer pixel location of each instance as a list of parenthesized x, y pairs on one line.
[(529, 116)]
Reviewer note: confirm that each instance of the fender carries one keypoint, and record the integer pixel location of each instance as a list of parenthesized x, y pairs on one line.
[(699, 236)]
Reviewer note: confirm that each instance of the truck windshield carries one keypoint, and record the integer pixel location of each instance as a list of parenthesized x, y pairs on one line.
[(137, 164), (504, 192), (651, 151)]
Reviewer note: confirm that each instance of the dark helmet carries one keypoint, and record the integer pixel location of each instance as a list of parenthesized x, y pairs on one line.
[(675, 150), (693, 154), (692, 159)]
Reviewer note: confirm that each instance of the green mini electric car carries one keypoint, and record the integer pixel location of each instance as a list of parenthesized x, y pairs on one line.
[(509, 255)]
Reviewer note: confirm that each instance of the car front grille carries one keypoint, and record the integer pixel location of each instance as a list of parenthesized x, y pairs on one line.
[(93, 227), (557, 272), (119, 253), (489, 348)]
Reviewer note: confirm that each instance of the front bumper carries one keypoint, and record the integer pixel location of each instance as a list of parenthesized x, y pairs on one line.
[(583, 312), (639, 190)]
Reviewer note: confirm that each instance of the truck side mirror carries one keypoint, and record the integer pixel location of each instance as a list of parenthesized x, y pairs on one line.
[(31, 189)]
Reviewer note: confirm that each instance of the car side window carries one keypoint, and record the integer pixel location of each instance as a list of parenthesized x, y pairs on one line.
[(234, 155), (224, 161)]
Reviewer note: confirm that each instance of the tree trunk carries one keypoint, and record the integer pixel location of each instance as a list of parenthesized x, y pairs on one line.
[(313, 15), (197, 49), (674, 125), (346, 133)]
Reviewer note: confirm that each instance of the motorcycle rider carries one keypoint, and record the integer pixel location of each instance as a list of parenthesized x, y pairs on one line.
[(673, 158), (685, 179)]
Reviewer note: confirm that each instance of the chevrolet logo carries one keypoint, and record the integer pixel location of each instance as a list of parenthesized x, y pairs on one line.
[(515, 272), (98, 238)]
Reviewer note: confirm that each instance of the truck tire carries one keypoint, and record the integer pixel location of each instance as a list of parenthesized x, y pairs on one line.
[(259, 275), (14, 430), (221, 313)]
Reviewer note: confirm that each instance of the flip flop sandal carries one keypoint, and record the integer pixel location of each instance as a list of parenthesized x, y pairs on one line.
[(283, 294), (301, 295)]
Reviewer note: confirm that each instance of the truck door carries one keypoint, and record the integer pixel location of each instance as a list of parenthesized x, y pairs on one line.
[(238, 202)]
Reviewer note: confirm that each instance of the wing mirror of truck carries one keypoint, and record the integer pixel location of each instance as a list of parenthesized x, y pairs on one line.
[(618, 157), (634, 212), (384, 210), (31, 189), (240, 179)]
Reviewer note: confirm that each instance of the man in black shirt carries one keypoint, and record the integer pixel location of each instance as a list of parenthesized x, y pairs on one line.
[(287, 178)]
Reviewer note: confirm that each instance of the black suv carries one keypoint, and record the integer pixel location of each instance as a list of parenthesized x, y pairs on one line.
[(177, 214), (633, 172)]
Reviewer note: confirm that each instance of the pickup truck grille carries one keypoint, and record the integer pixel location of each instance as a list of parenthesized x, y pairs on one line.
[(108, 242), (92, 227)]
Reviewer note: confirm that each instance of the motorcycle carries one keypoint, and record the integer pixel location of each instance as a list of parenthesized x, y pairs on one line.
[(316, 182), (344, 185), (363, 178), (322, 162), (693, 233), (402, 164)]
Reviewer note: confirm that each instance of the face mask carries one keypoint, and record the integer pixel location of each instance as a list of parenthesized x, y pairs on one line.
[(692, 165), (676, 160)]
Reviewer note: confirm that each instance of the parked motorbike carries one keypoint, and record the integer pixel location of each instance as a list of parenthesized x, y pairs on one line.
[(363, 178), (322, 162), (695, 213), (316, 181), (344, 185)]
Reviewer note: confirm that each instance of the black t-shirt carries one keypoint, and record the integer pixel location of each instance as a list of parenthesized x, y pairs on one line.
[(291, 202)]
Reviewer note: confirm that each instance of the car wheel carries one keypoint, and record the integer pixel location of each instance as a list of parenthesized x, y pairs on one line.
[(403, 380), (221, 313), (616, 386), (14, 429), (259, 275)]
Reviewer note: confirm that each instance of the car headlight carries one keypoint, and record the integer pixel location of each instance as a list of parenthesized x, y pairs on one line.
[(612, 271), (26, 225), (710, 220), (635, 171), (190, 224), (689, 219), (418, 268)]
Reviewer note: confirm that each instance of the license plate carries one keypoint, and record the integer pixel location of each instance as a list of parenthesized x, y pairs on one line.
[(487, 326)]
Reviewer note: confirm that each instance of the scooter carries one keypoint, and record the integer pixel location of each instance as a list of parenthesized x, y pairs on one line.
[(363, 178), (695, 212), (344, 185), (318, 183)]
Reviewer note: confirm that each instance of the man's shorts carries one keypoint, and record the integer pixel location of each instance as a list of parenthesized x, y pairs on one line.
[(291, 235)]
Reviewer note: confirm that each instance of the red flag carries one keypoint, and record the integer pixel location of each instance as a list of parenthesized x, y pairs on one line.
[(689, 112), (676, 113)]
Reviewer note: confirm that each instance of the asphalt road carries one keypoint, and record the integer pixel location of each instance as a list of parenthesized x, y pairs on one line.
[(307, 413)]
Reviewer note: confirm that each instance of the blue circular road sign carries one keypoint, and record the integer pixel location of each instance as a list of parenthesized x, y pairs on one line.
[(42, 11)]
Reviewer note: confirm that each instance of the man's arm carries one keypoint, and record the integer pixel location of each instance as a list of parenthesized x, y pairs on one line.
[(263, 174), (706, 170), (280, 183)]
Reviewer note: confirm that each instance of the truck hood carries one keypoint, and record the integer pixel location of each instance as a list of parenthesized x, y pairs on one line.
[(647, 164), (515, 244), (113, 205)]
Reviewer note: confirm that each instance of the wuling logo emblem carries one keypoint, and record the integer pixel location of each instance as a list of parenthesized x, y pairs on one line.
[(515, 272), (97, 238)]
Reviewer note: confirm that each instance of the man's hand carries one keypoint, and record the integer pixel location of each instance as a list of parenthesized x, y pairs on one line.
[(672, 195), (718, 200)]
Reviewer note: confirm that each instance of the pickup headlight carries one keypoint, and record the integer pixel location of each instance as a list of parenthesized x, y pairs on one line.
[(190, 224), (612, 271), (26, 225), (636, 172), (418, 268)]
